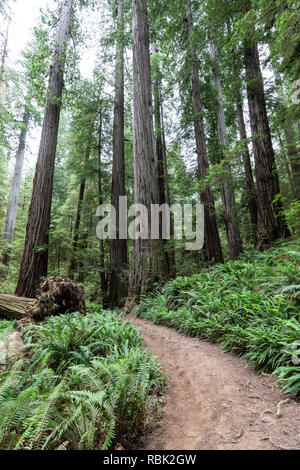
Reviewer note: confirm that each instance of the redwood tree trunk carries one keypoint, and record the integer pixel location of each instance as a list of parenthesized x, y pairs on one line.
[(171, 251), (249, 180), (3, 58), (265, 169), (294, 158), (161, 163), (34, 263), (118, 248), (73, 266), (100, 200), (212, 239), (11, 213), (227, 191), (148, 260), (293, 153)]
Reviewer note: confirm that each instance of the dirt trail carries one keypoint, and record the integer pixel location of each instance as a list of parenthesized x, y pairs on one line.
[(213, 401)]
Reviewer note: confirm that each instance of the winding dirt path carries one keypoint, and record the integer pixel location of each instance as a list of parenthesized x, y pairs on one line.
[(213, 401)]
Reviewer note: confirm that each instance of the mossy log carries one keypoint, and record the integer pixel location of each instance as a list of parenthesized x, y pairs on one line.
[(57, 295), (15, 308)]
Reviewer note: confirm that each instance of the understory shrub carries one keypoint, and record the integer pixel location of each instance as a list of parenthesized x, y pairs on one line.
[(88, 383)]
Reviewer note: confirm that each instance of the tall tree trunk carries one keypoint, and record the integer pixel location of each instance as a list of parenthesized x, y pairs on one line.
[(293, 153), (160, 155), (265, 168), (83, 244), (100, 200), (249, 180), (73, 266), (3, 59), (34, 263), (11, 213), (118, 248), (171, 251), (227, 192), (294, 158), (212, 239), (286, 162), (148, 260)]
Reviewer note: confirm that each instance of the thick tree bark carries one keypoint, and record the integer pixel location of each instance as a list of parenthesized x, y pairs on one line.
[(34, 263), (227, 192), (265, 169), (212, 239), (148, 260), (249, 180), (118, 248), (11, 213)]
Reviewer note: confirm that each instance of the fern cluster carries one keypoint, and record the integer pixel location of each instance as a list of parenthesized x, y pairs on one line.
[(250, 306), (88, 383)]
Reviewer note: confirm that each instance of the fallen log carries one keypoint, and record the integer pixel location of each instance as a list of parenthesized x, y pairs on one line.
[(57, 295), (15, 308)]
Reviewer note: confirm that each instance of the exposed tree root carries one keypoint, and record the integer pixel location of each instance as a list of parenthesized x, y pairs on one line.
[(57, 295), (279, 446), (279, 405)]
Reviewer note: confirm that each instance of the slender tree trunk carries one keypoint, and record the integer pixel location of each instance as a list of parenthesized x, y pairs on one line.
[(265, 168), (227, 192), (293, 153), (212, 239), (171, 251), (286, 162), (73, 266), (11, 213), (3, 59), (118, 248), (34, 263), (294, 158), (100, 200), (83, 243), (148, 260), (161, 163), (249, 180)]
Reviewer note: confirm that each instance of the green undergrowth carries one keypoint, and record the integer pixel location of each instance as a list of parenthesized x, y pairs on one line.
[(251, 307), (87, 383)]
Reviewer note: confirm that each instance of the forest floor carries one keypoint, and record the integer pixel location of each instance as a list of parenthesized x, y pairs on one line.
[(213, 401)]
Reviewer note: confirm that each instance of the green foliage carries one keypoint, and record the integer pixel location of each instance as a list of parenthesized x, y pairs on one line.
[(87, 384), (293, 215), (6, 327), (245, 305), (282, 16)]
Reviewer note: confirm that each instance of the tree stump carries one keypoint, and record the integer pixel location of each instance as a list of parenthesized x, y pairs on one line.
[(57, 295)]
